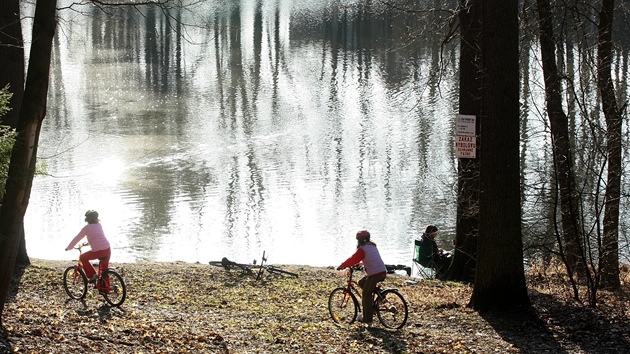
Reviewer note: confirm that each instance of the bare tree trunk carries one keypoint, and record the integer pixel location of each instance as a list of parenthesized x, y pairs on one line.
[(500, 275), (12, 60), (22, 258), (609, 259), (468, 169), (572, 235), (23, 158)]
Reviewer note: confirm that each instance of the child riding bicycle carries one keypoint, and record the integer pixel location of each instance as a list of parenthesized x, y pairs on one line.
[(368, 254), (98, 243)]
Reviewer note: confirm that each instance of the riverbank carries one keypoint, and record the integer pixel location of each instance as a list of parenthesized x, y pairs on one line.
[(181, 308)]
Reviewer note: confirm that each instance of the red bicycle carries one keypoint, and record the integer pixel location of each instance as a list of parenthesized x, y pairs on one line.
[(389, 305), (109, 283)]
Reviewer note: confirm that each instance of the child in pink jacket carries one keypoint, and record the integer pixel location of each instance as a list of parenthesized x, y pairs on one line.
[(99, 245)]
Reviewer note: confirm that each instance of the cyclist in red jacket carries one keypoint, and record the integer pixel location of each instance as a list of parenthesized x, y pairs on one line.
[(368, 254)]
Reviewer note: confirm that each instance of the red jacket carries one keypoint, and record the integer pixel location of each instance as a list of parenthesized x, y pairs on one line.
[(371, 258)]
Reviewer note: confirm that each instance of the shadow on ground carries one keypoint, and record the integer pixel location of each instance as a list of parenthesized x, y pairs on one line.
[(5, 345), (555, 327)]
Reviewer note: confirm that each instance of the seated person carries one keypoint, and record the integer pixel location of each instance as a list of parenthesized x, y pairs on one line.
[(441, 258)]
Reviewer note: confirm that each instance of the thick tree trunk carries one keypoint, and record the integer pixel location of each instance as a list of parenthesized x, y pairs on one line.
[(23, 158), (11, 58), (609, 260), (468, 169), (572, 236), (22, 258), (500, 275)]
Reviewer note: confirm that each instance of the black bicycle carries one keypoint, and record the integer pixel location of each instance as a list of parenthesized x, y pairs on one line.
[(251, 269), (389, 305)]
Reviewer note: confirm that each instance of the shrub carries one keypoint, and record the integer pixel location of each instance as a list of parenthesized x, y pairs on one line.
[(7, 138)]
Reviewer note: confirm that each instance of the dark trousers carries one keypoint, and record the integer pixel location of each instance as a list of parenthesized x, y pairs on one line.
[(368, 284), (442, 263)]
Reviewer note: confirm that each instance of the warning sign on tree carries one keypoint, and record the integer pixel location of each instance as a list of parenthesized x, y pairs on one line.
[(466, 138), (466, 147)]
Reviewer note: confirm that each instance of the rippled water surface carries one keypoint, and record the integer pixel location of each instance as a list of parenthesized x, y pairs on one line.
[(282, 127)]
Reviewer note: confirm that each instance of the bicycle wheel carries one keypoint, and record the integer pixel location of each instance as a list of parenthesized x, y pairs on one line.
[(391, 309), (75, 283), (274, 269), (229, 265), (218, 264), (342, 306), (117, 291)]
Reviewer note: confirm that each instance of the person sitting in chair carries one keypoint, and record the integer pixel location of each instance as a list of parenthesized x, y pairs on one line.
[(441, 258)]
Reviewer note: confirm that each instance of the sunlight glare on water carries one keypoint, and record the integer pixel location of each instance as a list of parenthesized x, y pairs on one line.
[(279, 128)]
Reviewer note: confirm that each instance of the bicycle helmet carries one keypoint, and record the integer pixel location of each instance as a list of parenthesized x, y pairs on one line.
[(91, 216), (363, 234)]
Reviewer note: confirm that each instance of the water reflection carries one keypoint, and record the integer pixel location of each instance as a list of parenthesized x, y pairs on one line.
[(279, 126)]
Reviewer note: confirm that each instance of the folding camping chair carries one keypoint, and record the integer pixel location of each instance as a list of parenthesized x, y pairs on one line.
[(423, 259)]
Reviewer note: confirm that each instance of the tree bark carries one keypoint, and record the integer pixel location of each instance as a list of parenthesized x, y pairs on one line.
[(22, 258), (563, 158), (609, 259), (23, 158), (500, 276), (463, 265), (12, 60)]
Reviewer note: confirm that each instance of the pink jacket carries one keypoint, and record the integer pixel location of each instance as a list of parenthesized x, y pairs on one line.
[(95, 237)]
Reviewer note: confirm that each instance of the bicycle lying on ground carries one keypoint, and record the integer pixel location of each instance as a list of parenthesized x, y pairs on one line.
[(389, 305), (250, 269), (109, 284)]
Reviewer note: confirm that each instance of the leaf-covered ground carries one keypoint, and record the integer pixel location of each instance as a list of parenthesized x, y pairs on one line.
[(184, 308)]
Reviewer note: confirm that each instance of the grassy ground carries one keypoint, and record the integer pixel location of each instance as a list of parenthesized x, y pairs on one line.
[(181, 308)]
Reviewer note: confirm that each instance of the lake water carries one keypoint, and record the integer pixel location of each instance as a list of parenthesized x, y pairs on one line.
[(278, 126), (282, 127)]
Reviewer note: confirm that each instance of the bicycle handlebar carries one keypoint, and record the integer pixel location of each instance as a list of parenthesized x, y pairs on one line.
[(81, 245), (352, 268)]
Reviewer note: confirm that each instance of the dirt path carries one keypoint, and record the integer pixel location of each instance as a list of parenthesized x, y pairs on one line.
[(181, 308)]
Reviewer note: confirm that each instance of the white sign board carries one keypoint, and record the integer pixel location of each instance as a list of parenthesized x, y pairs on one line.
[(465, 125), (465, 147)]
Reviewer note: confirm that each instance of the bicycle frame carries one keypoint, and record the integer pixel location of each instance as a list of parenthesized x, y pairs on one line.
[(250, 269), (389, 305), (109, 283), (353, 286), (101, 283), (79, 266)]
